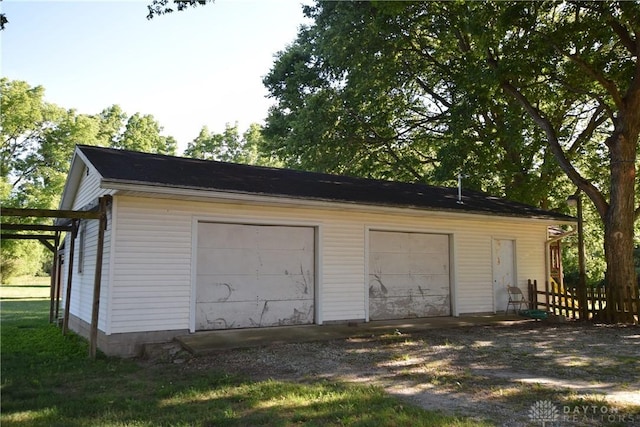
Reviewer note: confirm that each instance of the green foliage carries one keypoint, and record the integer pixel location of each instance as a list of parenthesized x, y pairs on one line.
[(595, 263), (362, 92), (48, 380), (527, 99), (229, 146), (23, 259), (142, 133), (38, 139), (162, 7)]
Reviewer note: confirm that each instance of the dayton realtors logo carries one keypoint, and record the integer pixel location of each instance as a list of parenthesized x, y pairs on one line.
[(548, 414), (544, 412)]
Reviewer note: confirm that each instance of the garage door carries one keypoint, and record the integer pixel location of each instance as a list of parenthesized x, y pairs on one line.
[(254, 276), (408, 275)]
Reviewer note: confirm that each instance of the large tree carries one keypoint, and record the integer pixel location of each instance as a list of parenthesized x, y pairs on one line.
[(357, 94), (526, 96), (37, 139)]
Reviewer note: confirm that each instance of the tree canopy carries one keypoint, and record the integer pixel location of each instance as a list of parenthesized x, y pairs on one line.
[(230, 146), (530, 100), (162, 7), (37, 141)]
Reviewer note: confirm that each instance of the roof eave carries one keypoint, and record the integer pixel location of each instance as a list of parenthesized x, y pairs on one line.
[(231, 196)]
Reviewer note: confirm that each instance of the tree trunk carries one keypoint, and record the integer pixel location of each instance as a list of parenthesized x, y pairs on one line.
[(622, 288)]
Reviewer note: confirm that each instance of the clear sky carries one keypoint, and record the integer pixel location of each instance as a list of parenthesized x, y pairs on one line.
[(202, 66)]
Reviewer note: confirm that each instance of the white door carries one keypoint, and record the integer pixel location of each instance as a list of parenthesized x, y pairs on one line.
[(408, 275), (254, 276), (503, 272)]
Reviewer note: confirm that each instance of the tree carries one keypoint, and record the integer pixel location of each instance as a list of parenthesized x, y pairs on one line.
[(532, 95), (356, 95), (225, 147), (37, 141), (162, 7), (112, 124), (584, 56), (229, 146), (27, 126), (142, 133), (253, 147), (34, 154)]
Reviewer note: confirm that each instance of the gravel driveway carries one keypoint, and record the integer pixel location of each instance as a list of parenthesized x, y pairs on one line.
[(585, 374)]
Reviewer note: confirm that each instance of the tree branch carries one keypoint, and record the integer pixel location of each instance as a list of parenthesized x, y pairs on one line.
[(624, 35), (554, 144), (596, 120), (431, 92), (607, 84)]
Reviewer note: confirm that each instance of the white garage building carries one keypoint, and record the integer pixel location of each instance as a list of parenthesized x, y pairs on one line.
[(196, 245)]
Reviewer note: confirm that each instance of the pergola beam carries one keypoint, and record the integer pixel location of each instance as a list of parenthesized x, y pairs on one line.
[(50, 213), (34, 227), (27, 236)]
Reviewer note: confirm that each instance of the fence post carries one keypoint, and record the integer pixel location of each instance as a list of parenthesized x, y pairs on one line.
[(546, 295), (532, 294)]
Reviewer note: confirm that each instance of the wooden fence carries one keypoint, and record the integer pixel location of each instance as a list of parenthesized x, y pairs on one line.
[(566, 302)]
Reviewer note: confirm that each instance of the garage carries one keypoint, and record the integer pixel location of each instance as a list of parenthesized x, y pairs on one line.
[(251, 276), (408, 275)]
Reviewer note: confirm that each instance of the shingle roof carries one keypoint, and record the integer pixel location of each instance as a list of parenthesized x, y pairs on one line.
[(177, 172)]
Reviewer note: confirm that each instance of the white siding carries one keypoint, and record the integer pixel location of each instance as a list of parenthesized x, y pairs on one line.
[(89, 189), (152, 279), (83, 282), (152, 267)]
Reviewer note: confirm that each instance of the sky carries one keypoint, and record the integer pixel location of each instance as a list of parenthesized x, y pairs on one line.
[(202, 66)]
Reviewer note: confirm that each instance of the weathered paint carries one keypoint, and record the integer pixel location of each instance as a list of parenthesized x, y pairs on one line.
[(254, 276), (408, 275)]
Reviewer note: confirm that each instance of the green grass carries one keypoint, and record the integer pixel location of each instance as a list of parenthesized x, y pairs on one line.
[(47, 380), (26, 287)]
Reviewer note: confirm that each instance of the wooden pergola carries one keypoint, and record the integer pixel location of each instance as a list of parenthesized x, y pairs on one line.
[(67, 221)]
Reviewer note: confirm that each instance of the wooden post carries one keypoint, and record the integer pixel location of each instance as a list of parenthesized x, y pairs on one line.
[(54, 271), (58, 284), (572, 305), (546, 294), (93, 339), (533, 294), (67, 303)]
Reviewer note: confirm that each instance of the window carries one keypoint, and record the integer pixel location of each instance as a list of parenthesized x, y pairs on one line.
[(81, 245)]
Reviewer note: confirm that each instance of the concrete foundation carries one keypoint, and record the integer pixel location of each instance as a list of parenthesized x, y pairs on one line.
[(127, 344)]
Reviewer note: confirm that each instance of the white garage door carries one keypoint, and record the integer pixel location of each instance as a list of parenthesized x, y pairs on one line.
[(254, 276), (408, 275)]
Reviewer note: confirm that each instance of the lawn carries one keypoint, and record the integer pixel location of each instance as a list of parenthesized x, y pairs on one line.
[(48, 380), (26, 287)]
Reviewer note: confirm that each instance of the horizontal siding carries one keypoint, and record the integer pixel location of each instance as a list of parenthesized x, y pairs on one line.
[(152, 269), (343, 296), (88, 191), (83, 282), (153, 246)]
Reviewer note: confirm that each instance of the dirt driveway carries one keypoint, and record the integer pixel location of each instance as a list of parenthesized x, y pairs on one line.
[(527, 374)]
